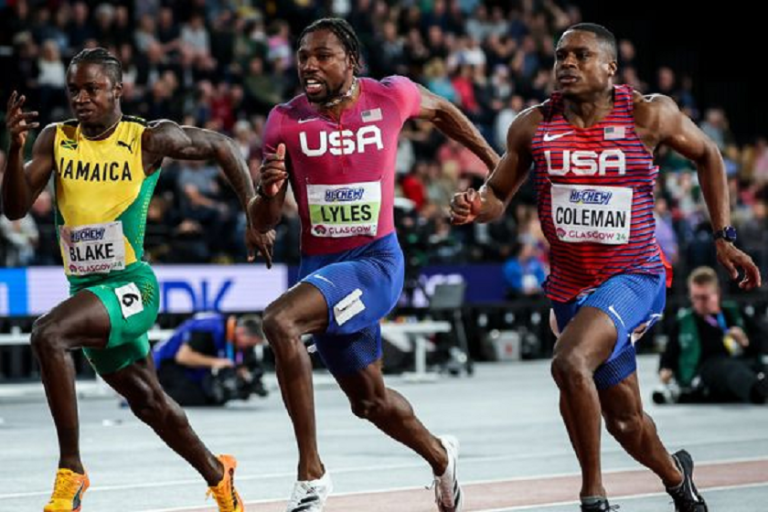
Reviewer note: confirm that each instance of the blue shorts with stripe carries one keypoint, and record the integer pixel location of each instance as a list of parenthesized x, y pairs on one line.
[(634, 302), (360, 286)]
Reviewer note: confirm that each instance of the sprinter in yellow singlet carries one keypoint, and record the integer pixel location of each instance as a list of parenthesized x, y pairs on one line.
[(105, 166)]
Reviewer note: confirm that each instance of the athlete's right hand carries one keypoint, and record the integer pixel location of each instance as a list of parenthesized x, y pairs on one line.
[(264, 243), (273, 172), (18, 122), (465, 207)]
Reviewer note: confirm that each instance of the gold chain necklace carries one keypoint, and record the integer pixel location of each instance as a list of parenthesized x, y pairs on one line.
[(342, 97)]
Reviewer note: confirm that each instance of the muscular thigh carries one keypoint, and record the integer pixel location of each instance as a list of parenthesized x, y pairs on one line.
[(131, 302)]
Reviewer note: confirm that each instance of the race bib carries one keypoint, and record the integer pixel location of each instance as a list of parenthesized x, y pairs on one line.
[(349, 306), (600, 215), (130, 299), (337, 211), (93, 248)]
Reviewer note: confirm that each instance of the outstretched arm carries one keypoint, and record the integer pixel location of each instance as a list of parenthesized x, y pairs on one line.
[(661, 115), (22, 183), (506, 179), (168, 139), (454, 124)]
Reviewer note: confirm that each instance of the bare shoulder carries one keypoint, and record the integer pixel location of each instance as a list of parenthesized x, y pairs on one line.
[(160, 135), (45, 141), (532, 115), (48, 134), (523, 128), (653, 109), (160, 126)]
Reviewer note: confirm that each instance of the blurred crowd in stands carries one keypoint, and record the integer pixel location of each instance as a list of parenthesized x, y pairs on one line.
[(223, 65)]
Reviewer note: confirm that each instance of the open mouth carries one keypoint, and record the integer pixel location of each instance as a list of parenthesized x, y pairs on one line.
[(313, 86), (568, 80)]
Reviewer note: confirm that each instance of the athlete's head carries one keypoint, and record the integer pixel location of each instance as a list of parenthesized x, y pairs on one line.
[(329, 58), (585, 60), (94, 85), (704, 291)]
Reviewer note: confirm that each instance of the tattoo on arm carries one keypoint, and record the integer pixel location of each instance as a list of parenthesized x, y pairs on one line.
[(168, 139)]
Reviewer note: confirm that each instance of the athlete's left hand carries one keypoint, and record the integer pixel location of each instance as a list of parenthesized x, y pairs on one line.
[(734, 259), (262, 242)]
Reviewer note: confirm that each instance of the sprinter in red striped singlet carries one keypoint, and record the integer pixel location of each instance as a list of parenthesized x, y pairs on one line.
[(591, 150)]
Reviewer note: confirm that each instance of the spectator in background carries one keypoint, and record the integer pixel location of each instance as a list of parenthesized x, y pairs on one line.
[(686, 98), (715, 125), (388, 59), (526, 62), (195, 36), (629, 77), (406, 156), (467, 162), (499, 25), (127, 59), (122, 26), (17, 18), (159, 104), (145, 36), (504, 119), (25, 64), (714, 350), (199, 190), (438, 82), (666, 83), (46, 249), (42, 29), (262, 90), (437, 43), (754, 234), (58, 29), (415, 54), (413, 187), (441, 183), (464, 86), (478, 26), (21, 237), (627, 53), (80, 30), (222, 111), (500, 86), (665, 230), (168, 31), (158, 239), (246, 140), (51, 81), (760, 161), (279, 44), (104, 16), (525, 271)]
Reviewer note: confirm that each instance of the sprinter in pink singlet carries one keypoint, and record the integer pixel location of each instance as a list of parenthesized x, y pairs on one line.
[(336, 144), (591, 150)]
